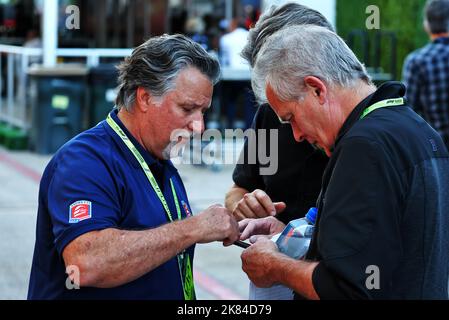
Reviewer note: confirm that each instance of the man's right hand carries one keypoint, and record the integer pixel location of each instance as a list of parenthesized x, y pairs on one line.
[(257, 204), (216, 223), (253, 228)]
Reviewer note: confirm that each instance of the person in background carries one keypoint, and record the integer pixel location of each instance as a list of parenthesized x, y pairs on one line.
[(195, 30), (252, 15), (294, 188), (426, 70), (231, 45)]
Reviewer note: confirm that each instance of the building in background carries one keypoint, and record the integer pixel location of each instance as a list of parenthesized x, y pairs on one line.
[(120, 23)]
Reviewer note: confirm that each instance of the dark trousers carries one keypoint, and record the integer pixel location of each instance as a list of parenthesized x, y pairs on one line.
[(231, 93)]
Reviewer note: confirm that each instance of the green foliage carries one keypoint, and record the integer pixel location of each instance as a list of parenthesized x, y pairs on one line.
[(405, 18)]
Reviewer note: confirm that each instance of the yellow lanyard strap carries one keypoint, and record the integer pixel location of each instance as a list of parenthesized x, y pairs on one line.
[(185, 268), (383, 104), (147, 170)]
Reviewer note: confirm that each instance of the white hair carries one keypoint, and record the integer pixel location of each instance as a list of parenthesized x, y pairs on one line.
[(293, 53)]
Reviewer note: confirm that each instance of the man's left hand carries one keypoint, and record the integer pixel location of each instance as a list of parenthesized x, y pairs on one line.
[(257, 262)]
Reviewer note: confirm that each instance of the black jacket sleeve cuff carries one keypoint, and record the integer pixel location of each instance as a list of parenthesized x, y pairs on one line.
[(329, 286)]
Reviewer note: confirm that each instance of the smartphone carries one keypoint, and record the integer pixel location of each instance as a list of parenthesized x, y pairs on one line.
[(241, 244)]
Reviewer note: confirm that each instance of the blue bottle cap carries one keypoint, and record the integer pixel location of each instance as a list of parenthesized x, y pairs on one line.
[(311, 215)]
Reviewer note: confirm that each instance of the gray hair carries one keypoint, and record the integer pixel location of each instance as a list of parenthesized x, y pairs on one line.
[(294, 53), (437, 16), (156, 64), (275, 19)]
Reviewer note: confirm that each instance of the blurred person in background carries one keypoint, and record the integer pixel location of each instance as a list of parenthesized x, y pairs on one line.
[(252, 15), (426, 71), (195, 30), (294, 188), (231, 45)]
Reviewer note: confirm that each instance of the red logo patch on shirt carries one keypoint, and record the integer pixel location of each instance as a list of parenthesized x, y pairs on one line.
[(186, 209), (79, 211)]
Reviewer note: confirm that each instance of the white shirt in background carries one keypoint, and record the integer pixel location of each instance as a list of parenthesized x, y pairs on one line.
[(231, 45)]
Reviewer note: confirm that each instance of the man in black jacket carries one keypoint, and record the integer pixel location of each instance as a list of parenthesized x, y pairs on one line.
[(294, 187), (382, 230)]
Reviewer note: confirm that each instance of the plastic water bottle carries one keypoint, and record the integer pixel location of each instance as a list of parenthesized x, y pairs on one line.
[(294, 241)]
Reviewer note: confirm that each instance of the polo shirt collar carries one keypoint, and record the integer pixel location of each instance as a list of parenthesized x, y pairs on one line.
[(149, 158), (388, 90)]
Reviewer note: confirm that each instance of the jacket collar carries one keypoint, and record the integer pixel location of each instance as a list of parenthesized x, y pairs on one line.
[(388, 90)]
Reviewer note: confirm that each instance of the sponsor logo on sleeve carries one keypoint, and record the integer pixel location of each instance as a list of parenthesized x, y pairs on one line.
[(186, 209), (79, 211)]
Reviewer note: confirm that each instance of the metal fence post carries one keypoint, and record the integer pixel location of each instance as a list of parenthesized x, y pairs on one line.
[(10, 88)]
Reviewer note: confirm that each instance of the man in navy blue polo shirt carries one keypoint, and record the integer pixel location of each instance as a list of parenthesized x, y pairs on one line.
[(113, 211)]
